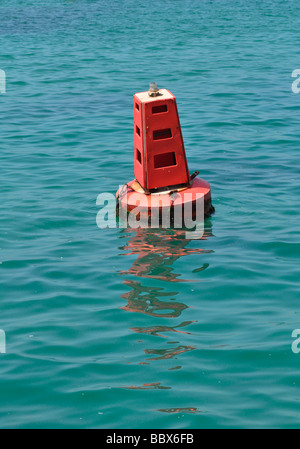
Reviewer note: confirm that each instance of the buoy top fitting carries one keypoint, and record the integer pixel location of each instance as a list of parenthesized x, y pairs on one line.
[(153, 90)]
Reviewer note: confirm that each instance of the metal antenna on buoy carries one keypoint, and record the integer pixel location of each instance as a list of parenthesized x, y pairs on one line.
[(153, 90)]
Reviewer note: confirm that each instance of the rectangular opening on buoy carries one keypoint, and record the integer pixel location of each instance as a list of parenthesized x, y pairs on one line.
[(138, 156), (159, 109), (137, 106), (138, 130), (164, 160), (162, 134)]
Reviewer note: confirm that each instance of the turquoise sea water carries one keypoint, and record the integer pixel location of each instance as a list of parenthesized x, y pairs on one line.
[(142, 328)]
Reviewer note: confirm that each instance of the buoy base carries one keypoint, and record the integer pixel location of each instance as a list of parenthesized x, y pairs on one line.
[(161, 204)]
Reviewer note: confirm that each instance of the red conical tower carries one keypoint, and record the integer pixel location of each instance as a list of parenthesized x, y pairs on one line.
[(160, 165), (159, 156)]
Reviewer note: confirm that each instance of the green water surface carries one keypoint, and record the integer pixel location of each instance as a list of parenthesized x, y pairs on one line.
[(124, 328)]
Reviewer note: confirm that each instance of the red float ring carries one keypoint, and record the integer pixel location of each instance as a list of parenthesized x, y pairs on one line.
[(156, 202)]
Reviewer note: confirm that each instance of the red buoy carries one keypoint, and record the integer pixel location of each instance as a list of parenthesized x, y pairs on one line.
[(162, 178)]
